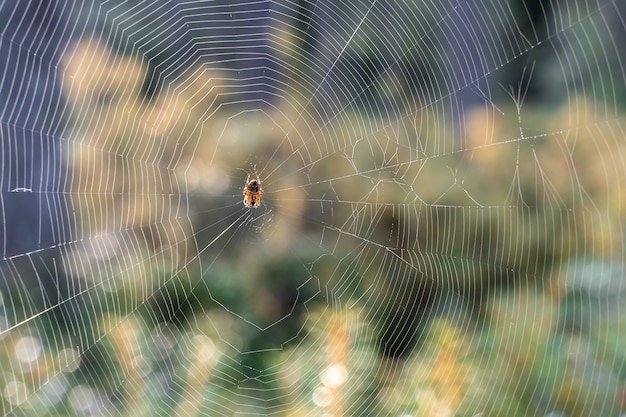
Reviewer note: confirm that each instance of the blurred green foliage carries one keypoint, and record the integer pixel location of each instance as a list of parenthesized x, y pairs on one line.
[(411, 271)]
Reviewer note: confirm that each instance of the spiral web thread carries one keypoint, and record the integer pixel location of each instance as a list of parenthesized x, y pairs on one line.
[(439, 234)]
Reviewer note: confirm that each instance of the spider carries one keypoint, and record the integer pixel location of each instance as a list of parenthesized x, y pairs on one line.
[(252, 192)]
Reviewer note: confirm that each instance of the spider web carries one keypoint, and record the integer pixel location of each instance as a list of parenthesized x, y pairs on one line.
[(440, 231)]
